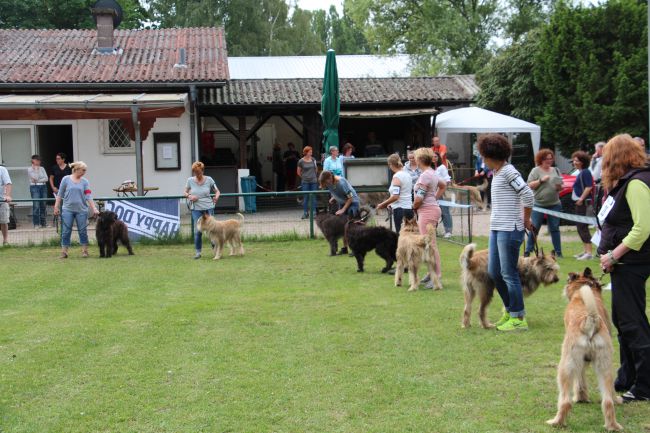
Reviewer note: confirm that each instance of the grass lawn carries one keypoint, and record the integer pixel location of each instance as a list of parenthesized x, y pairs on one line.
[(285, 339)]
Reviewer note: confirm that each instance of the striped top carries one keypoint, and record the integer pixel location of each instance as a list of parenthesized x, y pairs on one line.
[(509, 193)]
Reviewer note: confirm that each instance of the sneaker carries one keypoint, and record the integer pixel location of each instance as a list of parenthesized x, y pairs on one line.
[(526, 254), (585, 256), (514, 324), (304, 217), (447, 235), (197, 256), (428, 285), (426, 279), (629, 397), (577, 256), (504, 318)]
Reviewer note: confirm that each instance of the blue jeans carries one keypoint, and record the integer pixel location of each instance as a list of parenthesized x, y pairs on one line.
[(553, 224), (39, 211), (198, 236), (309, 186), (447, 222), (67, 219), (502, 266), (399, 214)]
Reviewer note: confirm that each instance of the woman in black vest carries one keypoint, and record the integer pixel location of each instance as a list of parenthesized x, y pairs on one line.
[(625, 252)]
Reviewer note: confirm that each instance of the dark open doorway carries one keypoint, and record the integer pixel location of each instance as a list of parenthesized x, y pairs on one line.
[(53, 139)]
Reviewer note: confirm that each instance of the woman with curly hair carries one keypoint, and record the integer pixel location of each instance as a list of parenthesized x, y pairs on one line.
[(625, 253), (581, 195)]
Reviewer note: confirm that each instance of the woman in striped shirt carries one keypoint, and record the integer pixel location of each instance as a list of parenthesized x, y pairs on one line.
[(510, 193)]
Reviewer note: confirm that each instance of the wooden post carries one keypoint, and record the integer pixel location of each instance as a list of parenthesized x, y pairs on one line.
[(243, 154)]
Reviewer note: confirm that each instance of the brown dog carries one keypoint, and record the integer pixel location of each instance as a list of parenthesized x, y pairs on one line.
[(587, 339), (413, 249), (474, 193), (108, 231), (222, 232), (533, 271)]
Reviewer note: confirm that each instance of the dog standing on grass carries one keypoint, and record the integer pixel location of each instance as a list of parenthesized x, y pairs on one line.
[(363, 239), (587, 339), (412, 250), (474, 278), (108, 231), (222, 232)]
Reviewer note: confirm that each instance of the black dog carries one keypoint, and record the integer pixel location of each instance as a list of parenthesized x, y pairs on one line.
[(363, 239), (108, 231), (333, 226)]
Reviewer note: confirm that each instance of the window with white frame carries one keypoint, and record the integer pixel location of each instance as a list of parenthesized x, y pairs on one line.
[(115, 137)]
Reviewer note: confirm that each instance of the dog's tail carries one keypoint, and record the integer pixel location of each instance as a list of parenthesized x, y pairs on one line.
[(592, 323), (483, 186), (466, 255), (241, 218)]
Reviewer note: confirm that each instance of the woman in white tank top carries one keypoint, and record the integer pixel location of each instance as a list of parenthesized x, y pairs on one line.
[(400, 192)]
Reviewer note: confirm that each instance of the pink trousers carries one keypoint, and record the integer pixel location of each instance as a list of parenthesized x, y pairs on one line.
[(430, 215)]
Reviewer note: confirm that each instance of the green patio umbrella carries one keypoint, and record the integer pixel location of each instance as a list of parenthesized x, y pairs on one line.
[(330, 103)]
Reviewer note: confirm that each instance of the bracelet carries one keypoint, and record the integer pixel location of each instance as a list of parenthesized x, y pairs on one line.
[(613, 261)]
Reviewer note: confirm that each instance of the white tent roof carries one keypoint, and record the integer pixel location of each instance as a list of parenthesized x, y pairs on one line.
[(477, 120)]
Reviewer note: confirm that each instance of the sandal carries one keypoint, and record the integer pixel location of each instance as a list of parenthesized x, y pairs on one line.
[(63, 255)]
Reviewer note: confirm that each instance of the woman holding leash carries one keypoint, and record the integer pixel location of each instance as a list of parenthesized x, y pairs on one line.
[(198, 190), (74, 193), (428, 190), (510, 194), (625, 253), (400, 192)]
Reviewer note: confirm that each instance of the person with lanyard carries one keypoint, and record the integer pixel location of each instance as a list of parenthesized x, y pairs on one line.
[(308, 172), (334, 163), (581, 195), (510, 193), (428, 190), (443, 173), (400, 193), (342, 193), (72, 202), (198, 190), (624, 250), (38, 190)]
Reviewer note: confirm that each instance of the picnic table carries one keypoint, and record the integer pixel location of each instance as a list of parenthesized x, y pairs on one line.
[(126, 191)]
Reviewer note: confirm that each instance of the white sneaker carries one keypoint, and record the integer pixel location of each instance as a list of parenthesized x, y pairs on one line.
[(577, 256), (425, 280), (586, 256), (447, 235)]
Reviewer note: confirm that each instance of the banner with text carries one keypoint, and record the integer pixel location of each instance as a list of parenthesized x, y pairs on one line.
[(149, 218)]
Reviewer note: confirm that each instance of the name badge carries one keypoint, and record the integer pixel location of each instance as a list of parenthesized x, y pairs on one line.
[(607, 207)]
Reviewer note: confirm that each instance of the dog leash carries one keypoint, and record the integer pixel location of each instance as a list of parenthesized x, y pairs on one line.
[(535, 245)]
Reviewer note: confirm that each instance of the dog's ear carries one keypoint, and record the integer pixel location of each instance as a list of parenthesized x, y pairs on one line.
[(572, 276), (587, 273)]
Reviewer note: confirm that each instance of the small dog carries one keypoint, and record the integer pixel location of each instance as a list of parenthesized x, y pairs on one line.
[(333, 226), (363, 239), (108, 231), (587, 339), (533, 271), (222, 232), (474, 193), (413, 249)]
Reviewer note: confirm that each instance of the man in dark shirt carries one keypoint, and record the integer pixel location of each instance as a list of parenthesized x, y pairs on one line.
[(291, 158)]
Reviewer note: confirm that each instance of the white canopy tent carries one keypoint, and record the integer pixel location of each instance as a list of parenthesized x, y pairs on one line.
[(478, 120)]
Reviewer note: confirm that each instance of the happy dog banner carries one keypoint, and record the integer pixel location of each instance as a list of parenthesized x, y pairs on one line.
[(148, 218)]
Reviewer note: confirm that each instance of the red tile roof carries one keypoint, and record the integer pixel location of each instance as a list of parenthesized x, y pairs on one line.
[(146, 56)]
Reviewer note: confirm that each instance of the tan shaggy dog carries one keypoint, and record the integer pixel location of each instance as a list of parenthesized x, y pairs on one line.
[(222, 232), (474, 278), (474, 193), (587, 339), (413, 249)]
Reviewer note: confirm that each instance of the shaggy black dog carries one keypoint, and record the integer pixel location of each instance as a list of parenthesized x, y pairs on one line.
[(108, 231), (363, 239), (333, 226)]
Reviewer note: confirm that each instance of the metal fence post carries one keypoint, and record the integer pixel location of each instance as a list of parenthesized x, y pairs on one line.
[(311, 215)]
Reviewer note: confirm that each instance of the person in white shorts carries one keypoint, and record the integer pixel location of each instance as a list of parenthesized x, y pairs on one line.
[(5, 199)]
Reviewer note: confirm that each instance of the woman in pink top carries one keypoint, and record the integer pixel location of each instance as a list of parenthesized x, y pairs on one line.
[(428, 189)]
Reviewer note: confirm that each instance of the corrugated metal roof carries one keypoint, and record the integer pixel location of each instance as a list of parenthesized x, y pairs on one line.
[(352, 90), (349, 66), (68, 56)]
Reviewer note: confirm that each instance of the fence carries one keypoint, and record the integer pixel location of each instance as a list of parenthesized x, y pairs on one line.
[(278, 214)]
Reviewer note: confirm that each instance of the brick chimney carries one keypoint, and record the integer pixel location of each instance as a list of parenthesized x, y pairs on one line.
[(107, 15)]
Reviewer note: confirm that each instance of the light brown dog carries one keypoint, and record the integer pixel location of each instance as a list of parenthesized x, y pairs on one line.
[(412, 250), (533, 272), (474, 193), (587, 339), (222, 232)]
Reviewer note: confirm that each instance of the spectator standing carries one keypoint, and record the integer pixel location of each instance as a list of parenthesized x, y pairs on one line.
[(5, 199), (595, 165), (198, 190), (308, 172), (342, 193), (482, 172), (428, 190), (346, 152), (436, 146), (443, 174), (400, 189), (625, 253), (72, 202), (38, 190), (546, 183), (334, 163), (411, 167), (290, 159), (278, 167), (373, 146), (59, 170), (581, 196), (507, 224)]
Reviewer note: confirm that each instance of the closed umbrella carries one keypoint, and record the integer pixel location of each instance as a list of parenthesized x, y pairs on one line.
[(330, 103)]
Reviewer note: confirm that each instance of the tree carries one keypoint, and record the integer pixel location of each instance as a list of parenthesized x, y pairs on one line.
[(70, 14), (592, 69)]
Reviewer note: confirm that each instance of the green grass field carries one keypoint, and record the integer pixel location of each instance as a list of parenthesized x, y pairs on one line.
[(285, 339)]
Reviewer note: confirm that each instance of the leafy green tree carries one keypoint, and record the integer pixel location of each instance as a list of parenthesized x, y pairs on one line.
[(591, 66), (69, 14)]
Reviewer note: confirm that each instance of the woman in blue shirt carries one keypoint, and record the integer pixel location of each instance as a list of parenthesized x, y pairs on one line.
[(334, 163), (581, 196)]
